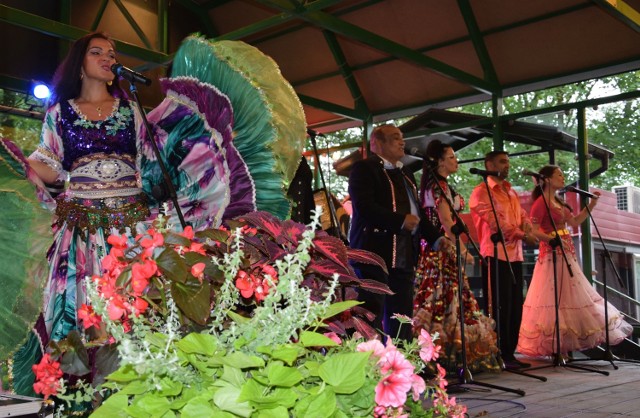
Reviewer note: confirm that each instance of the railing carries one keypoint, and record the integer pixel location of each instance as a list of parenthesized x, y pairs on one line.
[(623, 296)]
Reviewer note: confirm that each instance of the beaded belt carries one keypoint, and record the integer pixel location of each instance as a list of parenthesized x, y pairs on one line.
[(561, 232), (110, 212)]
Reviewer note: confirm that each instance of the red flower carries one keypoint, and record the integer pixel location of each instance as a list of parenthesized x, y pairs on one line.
[(116, 308), (245, 284), (140, 306), (188, 232), (149, 244), (89, 317), (48, 376), (197, 270)]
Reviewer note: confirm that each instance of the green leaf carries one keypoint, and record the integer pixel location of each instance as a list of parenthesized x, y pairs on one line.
[(172, 265), (137, 387), (344, 372), (198, 343), (261, 397), (155, 405), (233, 376), (113, 406), (321, 405), (125, 373), (169, 387), (279, 412), (336, 308), (283, 376), (156, 339), (193, 299), (287, 353), (241, 360), (238, 318), (314, 339), (226, 399), (199, 407)]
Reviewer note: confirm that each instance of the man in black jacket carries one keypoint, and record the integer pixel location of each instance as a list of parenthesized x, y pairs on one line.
[(387, 220)]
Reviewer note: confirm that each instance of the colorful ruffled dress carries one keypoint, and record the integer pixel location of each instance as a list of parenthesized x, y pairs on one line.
[(436, 304), (580, 307), (230, 132)]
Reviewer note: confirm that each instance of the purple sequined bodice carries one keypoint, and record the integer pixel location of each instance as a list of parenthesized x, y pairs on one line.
[(82, 137)]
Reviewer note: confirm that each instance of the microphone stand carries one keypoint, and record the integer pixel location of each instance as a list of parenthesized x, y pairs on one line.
[(558, 360), (607, 355), (464, 374), (167, 185), (333, 217), (495, 278)]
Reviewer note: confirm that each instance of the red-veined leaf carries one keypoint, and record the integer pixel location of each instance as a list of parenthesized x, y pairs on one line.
[(332, 248), (366, 330), (375, 287), (264, 221), (366, 257), (327, 268)]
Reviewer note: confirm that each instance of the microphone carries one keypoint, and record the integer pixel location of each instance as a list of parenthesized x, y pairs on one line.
[(415, 151), (578, 191), (484, 173), (128, 74), (539, 176), (313, 133)]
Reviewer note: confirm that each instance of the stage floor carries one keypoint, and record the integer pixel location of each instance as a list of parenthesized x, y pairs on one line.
[(568, 392)]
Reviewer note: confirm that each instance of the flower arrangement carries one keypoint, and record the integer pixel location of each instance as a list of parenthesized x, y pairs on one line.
[(237, 322)]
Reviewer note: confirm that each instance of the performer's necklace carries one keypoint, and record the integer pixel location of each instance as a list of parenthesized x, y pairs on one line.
[(99, 109)]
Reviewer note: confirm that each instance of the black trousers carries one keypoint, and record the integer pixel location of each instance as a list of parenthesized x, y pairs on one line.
[(401, 283), (509, 293)]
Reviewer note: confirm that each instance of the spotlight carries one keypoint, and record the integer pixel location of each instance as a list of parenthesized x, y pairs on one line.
[(41, 91)]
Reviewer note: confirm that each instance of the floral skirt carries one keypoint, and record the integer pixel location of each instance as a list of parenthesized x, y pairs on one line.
[(74, 255), (437, 309), (580, 312)]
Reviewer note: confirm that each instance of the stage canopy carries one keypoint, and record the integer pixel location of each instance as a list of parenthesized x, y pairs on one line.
[(350, 61)]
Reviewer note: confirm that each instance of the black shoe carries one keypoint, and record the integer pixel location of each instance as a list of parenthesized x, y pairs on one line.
[(515, 364)]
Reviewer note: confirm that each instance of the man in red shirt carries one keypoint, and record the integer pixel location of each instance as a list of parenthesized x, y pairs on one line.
[(515, 227)]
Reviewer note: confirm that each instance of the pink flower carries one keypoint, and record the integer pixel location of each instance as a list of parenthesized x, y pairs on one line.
[(393, 362), (392, 390), (332, 335), (440, 379), (428, 350), (418, 386), (374, 346), (48, 376), (89, 317)]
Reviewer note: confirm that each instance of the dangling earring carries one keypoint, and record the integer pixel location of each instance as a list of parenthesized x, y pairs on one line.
[(81, 76), (110, 82)]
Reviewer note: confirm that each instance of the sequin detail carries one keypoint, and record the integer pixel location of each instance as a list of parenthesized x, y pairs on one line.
[(110, 212)]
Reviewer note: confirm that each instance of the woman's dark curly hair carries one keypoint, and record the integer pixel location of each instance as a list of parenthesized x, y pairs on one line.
[(67, 82)]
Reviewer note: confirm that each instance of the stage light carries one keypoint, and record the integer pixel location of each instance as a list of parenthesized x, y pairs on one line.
[(41, 91)]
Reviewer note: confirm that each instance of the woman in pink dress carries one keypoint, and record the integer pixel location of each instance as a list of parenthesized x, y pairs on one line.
[(580, 307)]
